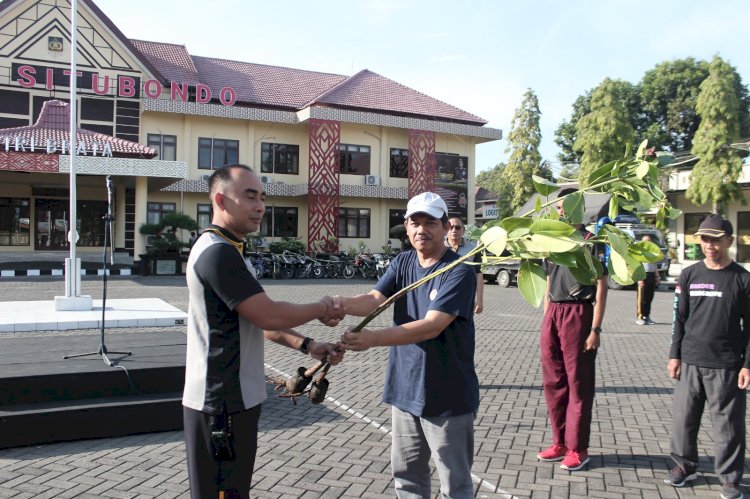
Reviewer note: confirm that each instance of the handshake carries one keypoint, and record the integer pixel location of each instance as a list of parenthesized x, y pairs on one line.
[(334, 311)]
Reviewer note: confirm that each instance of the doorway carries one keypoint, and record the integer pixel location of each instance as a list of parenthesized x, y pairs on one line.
[(51, 224)]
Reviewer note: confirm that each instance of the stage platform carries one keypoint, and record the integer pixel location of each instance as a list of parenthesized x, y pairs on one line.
[(18, 316), (45, 398)]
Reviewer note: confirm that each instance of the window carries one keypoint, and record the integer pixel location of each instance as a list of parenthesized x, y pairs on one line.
[(215, 153), (743, 236), (279, 158), (14, 222), (97, 109), (400, 163), (354, 160), (165, 145), (354, 222), (692, 243), (155, 211), (204, 215), (279, 222)]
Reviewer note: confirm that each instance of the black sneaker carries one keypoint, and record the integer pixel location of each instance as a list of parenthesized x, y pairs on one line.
[(648, 321), (678, 476), (730, 491)]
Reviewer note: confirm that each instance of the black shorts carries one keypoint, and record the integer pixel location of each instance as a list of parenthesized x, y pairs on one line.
[(207, 475)]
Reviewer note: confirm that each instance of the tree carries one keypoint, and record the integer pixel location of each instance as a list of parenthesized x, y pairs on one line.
[(494, 180), (523, 144), (668, 96), (714, 177), (602, 132), (565, 135)]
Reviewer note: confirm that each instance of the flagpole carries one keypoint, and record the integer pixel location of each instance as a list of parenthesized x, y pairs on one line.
[(73, 300)]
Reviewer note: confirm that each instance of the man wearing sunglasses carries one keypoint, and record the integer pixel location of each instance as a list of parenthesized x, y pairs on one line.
[(456, 242), (710, 359)]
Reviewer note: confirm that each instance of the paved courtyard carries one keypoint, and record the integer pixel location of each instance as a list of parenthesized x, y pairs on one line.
[(341, 448)]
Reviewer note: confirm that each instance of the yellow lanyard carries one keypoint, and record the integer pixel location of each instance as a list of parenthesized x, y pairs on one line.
[(238, 245)]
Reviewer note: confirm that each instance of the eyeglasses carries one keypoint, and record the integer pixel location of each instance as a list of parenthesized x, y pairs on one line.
[(457, 227)]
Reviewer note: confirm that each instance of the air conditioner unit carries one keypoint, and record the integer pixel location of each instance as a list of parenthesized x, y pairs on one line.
[(205, 177), (266, 179), (372, 180)]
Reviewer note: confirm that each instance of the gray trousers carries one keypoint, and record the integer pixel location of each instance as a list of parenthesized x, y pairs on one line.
[(450, 440), (726, 406)]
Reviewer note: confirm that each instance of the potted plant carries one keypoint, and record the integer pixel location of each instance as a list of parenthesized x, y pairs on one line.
[(163, 255)]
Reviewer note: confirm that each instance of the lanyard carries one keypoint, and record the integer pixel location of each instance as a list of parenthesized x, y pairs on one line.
[(238, 245)]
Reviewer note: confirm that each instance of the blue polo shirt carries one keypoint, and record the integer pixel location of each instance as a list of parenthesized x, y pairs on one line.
[(434, 377)]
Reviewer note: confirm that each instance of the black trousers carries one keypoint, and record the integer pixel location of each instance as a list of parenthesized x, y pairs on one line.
[(207, 475), (646, 295)]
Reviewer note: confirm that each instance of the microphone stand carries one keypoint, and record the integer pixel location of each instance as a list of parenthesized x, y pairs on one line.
[(108, 244)]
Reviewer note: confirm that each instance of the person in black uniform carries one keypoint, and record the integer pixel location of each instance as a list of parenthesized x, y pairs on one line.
[(709, 358), (228, 312)]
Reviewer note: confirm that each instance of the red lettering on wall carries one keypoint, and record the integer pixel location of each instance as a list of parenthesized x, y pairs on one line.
[(26, 76), (147, 89), (50, 83), (228, 96), (95, 85), (179, 90), (125, 86), (202, 93)]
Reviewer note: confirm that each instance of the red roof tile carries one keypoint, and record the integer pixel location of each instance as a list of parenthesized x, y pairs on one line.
[(173, 61), (276, 86), (54, 124), (368, 90)]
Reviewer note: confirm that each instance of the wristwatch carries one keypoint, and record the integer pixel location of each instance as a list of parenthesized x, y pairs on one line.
[(305, 343), (596, 330)]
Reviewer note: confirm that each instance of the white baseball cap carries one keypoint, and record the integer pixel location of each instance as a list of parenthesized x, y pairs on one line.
[(428, 203)]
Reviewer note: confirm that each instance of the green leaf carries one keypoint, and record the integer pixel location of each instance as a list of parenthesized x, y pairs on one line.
[(512, 223), (519, 233), (584, 271), (494, 239), (619, 265), (642, 149), (542, 243), (646, 251), (543, 186), (613, 207), (551, 228), (532, 282), (643, 169), (538, 204), (574, 207), (564, 259), (674, 213)]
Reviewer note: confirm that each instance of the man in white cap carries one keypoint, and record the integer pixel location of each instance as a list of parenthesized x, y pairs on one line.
[(710, 359), (430, 382)]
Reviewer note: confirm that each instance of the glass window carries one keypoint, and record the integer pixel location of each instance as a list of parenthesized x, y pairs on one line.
[(400, 163), (354, 160), (204, 215), (692, 243), (743, 236), (279, 158), (154, 211), (90, 216), (165, 145), (215, 153), (279, 221), (354, 222), (14, 222)]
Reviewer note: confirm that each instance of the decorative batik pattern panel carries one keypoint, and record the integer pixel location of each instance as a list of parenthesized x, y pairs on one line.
[(28, 162), (323, 184), (87, 165), (396, 121), (421, 162)]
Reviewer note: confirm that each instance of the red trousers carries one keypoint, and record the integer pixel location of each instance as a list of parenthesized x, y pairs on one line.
[(568, 373)]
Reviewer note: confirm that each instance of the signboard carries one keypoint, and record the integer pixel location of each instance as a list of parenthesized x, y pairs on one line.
[(489, 211), (166, 267), (451, 183)]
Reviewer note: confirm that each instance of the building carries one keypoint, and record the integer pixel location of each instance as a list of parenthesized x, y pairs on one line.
[(339, 155)]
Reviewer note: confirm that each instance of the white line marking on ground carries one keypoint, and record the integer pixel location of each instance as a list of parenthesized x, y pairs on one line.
[(387, 431)]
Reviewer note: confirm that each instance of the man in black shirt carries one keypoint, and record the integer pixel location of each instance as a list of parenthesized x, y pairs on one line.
[(709, 359)]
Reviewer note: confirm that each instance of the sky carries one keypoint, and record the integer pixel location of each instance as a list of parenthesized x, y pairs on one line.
[(478, 55)]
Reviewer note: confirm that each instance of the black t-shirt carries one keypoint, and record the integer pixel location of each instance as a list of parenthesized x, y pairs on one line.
[(710, 309), (564, 287)]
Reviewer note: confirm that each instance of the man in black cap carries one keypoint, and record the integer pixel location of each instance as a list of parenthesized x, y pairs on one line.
[(710, 360)]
